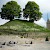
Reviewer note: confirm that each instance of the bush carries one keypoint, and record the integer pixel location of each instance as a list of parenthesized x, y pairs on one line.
[(47, 39), (21, 36)]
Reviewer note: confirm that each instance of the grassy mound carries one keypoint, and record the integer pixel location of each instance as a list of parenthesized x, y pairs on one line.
[(22, 26), (19, 27)]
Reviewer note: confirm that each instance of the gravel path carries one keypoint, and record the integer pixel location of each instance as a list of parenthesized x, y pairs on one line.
[(37, 44)]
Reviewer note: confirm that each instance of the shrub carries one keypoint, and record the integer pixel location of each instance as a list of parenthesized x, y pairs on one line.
[(47, 39)]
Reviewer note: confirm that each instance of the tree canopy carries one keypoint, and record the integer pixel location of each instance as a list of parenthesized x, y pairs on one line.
[(32, 9), (11, 7)]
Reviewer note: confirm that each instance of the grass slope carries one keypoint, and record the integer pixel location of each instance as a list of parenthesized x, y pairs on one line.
[(23, 26), (18, 27)]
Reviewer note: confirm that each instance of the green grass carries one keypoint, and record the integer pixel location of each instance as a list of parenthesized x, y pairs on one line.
[(22, 27)]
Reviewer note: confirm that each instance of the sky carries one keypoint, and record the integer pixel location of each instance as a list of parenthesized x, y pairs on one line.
[(44, 6)]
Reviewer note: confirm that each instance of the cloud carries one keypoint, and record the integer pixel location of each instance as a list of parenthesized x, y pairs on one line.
[(3, 21), (41, 22), (44, 5)]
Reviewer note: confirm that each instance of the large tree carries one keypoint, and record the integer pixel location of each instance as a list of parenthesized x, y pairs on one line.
[(32, 10), (11, 9)]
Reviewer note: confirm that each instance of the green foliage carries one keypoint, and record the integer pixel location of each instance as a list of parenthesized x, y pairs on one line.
[(11, 7), (32, 9)]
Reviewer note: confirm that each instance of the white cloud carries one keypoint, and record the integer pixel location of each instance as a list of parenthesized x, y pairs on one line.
[(44, 5), (41, 22), (3, 21)]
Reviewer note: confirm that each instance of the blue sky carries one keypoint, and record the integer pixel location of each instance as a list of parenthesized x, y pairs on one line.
[(44, 6), (46, 16)]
